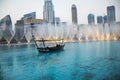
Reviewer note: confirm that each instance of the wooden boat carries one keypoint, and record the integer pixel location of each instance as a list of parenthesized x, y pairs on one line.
[(59, 46)]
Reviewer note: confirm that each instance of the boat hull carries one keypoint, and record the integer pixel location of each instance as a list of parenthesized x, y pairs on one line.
[(51, 49)]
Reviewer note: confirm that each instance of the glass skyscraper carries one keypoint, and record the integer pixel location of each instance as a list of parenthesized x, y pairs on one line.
[(48, 12), (74, 14), (111, 14), (91, 19)]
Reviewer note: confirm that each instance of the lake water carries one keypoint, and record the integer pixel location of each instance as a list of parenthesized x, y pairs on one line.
[(78, 61)]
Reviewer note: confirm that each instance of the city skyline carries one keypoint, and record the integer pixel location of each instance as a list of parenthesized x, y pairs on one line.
[(62, 9)]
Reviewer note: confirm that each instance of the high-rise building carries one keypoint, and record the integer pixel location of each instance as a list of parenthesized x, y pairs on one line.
[(48, 12), (6, 28), (19, 30), (30, 15), (99, 19), (111, 14), (74, 14), (91, 19), (105, 19)]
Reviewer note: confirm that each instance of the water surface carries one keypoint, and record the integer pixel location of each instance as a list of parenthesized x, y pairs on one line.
[(78, 61)]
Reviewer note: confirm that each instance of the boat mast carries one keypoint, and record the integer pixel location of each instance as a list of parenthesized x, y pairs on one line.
[(33, 37), (43, 42)]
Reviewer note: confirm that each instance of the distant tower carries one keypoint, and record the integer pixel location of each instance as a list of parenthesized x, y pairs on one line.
[(74, 14), (91, 19), (105, 19), (48, 11), (111, 14), (99, 19)]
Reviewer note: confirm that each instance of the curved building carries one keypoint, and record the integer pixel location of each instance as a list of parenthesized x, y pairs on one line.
[(6, 27), (74, 14)]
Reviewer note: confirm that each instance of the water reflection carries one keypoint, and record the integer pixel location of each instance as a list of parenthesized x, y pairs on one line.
[(48, 58)]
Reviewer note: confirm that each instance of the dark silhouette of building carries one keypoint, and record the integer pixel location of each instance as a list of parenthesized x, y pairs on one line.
[(111, 14), (105, 20), (99, 19), (57, 20), (74, 14), (91, 19)]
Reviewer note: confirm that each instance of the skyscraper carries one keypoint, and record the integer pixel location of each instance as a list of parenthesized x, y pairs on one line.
[(48, 12), (91, 19), (99, 19), (111, 14), (74, 14), (105, 20), (6, 27)]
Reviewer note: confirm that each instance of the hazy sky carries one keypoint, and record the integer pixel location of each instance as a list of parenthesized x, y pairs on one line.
[(17, 8)]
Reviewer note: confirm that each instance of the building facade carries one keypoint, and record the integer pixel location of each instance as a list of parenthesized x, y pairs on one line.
[(48, 12), (111, 14), (57, 20), (6, 28), (91, 19), (30, 15), (99, 19), (105, 20), (74, 14), (35, 21)]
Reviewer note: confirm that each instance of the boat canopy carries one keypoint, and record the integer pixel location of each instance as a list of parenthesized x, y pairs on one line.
[(41, 40)]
